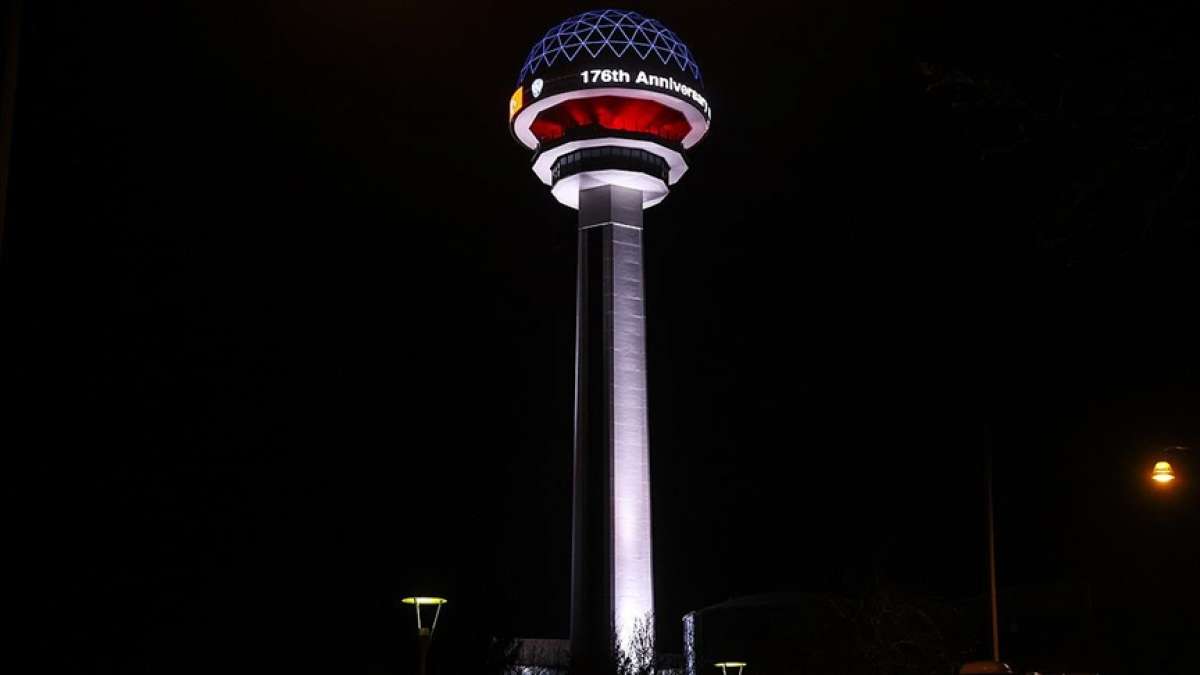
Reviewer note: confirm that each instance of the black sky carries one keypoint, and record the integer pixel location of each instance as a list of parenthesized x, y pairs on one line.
[(287, 320)]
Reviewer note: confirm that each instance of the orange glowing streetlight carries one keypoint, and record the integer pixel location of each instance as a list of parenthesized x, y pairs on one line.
[(1163, 473)]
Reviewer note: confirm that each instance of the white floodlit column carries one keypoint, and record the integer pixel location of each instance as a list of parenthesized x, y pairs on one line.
[(633, 573), (612, 567)]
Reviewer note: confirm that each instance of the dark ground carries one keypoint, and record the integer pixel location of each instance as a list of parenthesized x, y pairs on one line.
[(287, 323)]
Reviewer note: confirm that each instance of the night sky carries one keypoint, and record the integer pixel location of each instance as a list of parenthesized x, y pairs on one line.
[(286, 322)]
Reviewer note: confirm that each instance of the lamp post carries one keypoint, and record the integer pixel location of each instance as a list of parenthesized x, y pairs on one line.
[(995, 665), (725, 665), (424, 633)]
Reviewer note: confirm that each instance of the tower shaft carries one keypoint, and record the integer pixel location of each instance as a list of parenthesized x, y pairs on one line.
[(612, 583)]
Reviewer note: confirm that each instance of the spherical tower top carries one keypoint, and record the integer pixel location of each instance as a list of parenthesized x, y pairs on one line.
[(609, 97), (610, 33)]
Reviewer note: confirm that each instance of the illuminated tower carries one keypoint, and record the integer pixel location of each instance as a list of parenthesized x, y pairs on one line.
[(609, 101)]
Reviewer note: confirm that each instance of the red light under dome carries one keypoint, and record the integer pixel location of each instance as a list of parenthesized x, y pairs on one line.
[(611, 112)]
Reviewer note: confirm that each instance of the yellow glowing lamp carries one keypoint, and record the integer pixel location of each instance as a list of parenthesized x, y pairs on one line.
[(419, 601), (1163, 473), (516, 102), (724, 665)]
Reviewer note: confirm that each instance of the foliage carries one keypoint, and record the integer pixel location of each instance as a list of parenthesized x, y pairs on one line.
[(502, 655), (638, 656), (900, 633)]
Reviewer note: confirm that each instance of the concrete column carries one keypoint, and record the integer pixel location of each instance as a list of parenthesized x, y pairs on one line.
[(612, 584)]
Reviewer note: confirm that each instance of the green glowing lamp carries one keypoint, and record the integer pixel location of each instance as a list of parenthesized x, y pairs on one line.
[(725, 665), (420, 601)]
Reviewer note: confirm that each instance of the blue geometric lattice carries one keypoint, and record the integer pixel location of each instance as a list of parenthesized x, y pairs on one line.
[(615, 31)]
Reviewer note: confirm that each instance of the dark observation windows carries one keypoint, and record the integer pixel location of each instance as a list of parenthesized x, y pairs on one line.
[(610, 157)]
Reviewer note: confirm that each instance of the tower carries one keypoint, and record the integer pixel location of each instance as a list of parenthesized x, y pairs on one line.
[(609, 101)]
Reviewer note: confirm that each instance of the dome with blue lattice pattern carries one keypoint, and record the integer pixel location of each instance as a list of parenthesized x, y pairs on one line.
[(610, 34)]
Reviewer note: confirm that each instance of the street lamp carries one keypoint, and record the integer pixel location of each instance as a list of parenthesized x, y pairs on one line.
[(424, 633), (724, 665), (1163, 473)]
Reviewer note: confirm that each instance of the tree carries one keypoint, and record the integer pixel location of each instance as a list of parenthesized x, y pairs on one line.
[(901, 633), (502, 655), (636, 656)]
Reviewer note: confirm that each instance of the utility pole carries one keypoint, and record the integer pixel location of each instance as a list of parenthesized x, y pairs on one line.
[(12, 35), (995, 666), (991, 540)]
